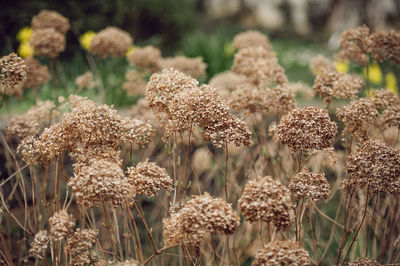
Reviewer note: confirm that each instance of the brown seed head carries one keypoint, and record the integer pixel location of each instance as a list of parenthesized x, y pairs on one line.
[(135, 84), (320, 63), (79, 244), (194, 67), (39, 244), (85, 81), (148, 58), (47, 42), (355, 45), (251, 38), (12, 74), (307, 128), (282, 253), (310, 185), (50, 19), (364, 262), (36, 74), (61, 225), (111, 41)]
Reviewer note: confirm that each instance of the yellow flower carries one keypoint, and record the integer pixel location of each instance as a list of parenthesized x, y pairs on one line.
[(375, 73), (391, 82), (25, 50), (24, 34), (130, 50), (229, 50), (86, 38), (341, 66)]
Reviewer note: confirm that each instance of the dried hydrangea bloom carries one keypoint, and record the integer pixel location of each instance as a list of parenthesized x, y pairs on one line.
[(307, 128), (320, 63), (355, 45), (85, 81), (364, 262), (148, 58), (266, 200), (226, 82), (111, 41), (251, 38), (39, 244), (28, 124), (61, 225), (148, 178), (358, 117), (200, 215), (135, 84), (36, 74), (50, 19), (375, 167), (384, 98), (248, 98), (136, 131), (12, 73), (391, 117), (100, 181), (306, 184), (47, 42), (79, 244), (385, 45), (194, 67), (331, 83), (259, 65), (162, 87), (281, 100), (282, 253), (220, 126)]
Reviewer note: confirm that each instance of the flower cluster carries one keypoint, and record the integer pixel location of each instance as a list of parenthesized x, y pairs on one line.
[(266, 200), (306, 129), (148, 58), (201, 215), (251, 38), (194, 67), (282, 253), (111, 41), (310, 185), (13, 73)]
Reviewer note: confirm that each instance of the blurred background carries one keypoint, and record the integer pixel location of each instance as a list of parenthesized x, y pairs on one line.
[(298, 29)]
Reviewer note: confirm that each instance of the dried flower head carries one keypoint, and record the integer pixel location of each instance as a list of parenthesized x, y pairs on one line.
[(364, 262), (385, 45), (100, 181), (47, 42), (320, 63), (331, 83), (375, 167), (61, 225), (306, 129), (194, 67), (85, 81), (220, 126), (251, 38), (111, 41), (148, 58), (135, 84), (79, 244), (142, 111), (29, 124), (391, 117), (162, 88), (259, 65), (358, 117), (12, 73), (306, 184), (50, 19), (39, 244), (148, 178), (36, 74), (384, 98), (282, 253), (355, 45), (266, 200), (129, 262), (200, 215)]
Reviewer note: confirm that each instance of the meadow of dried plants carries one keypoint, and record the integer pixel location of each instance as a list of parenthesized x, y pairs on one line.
[(249, 169)]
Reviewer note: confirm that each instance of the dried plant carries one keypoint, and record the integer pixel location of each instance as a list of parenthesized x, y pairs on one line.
[(306, 184), (251, 38), (36, 75), (266, 200), (85, 81), (12, 74), (320, 63), (135, 84), (364, 262), (307, 129), (79, 245), (147, 58), (111, 41), (282, 253), (61, 225), (374, 167), (194, 67), (48, 42), (50, 19), (355, 44), (39, 244)]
